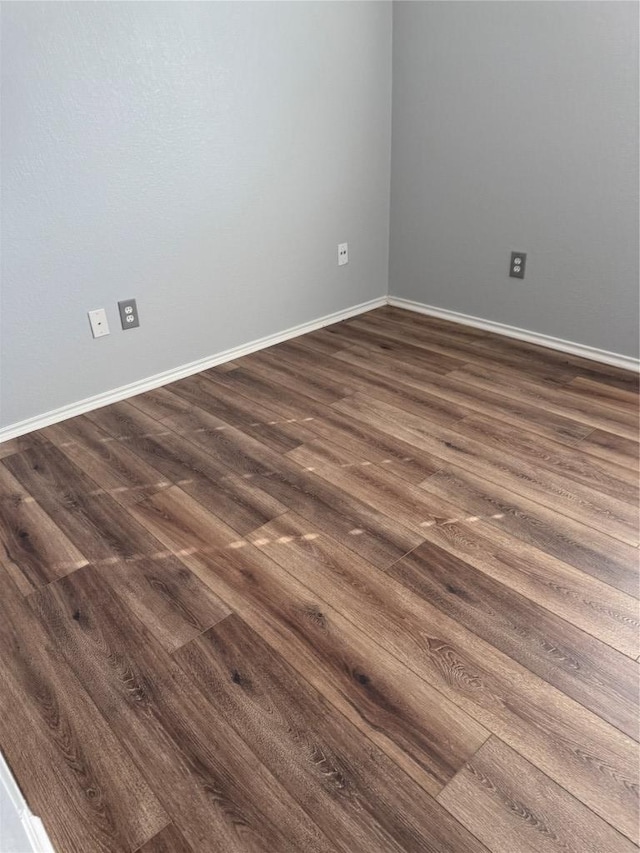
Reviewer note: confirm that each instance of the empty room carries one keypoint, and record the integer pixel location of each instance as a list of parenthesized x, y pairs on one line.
[(319, 383)]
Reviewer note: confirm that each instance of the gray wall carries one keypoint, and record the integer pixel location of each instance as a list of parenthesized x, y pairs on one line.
[(205, 158), (515, 126)]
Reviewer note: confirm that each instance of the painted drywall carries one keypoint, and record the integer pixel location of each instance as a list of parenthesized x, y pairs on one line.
[(515, 126), (204, 158)]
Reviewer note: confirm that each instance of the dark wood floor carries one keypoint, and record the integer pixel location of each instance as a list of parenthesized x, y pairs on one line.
[(372, 589)]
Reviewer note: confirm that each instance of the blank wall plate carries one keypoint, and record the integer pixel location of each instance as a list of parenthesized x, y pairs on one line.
[(99, 324)]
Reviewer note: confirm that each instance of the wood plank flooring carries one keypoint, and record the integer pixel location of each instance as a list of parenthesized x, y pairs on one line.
[(371, 590)]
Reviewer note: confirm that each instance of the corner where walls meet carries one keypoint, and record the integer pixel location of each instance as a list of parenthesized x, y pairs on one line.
[(206, 160)]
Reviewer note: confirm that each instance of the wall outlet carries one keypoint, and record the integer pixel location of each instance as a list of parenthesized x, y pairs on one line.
[(518, 260), (99, 324), (343, 254), (128, 314)]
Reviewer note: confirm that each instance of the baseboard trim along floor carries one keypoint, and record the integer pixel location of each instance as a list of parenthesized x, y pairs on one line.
[(627, 362), (159, 379), (18, 826), (164, 378)]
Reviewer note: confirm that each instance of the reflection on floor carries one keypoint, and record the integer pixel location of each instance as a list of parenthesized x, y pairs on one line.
[(372, 589)]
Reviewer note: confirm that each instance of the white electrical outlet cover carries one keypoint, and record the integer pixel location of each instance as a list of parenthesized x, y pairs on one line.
[(343, 254), (99, 324)]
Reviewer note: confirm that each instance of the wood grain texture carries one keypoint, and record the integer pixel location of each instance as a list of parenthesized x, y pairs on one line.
[(510, 805), (358, 797), (321, 387), (168, 840), (210, 783), (497, 464), (467, 344), (205, 397), (388, 386), (585, 602), (17, 445), (606, 373), (110, 464), (171, 602), (469, 398), (169, 599), (401, 343), (619, 398), (545, 644), (373, 589), (524, 357), (424, 733), (35, 547), (593, 760), (614, 480), (196, 472), (602, 556), (373, 445), (371, 533), (74, 772), (98, 526), (160, 403), (584, 408), (613, 448), (375, 485)]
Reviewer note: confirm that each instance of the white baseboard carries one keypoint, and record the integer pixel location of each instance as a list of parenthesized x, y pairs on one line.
[(159, 379), (603, 356), (18, 824)]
